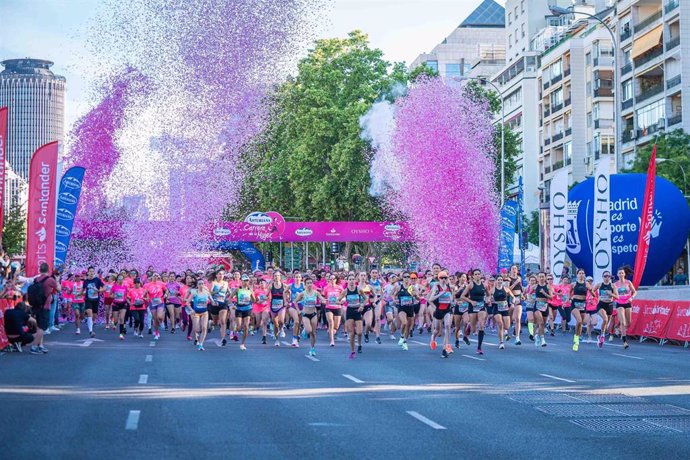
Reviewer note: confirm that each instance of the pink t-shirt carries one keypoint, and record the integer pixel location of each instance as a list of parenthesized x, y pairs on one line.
[(119, 293), (156, 290), (261, 296), (136, 298), (331, 293), (78, 292), (67, 287)]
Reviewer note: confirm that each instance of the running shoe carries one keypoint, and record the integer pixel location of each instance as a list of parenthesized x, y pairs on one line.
[(18, 347), (242, 347), (444, 353), (277, 343), (401, 341), (172, 331), (77, 332), (332, 344), (543, 342), (282, 333), (200, 347), (235, 337), (196, 342), (479, 351), (611, 338), (295, 343), (518, 341), (457, 343), (392, 337), (404, 346), (421, 329), (530, 327), (92, 334), (359, 349), (378, 340), (42, 349), (366, 338), (600, 342), (507, 338), (224, 342), (501, 346), (122, 337), (537, 341), (189, 337), (576, 346), (448, 349), (352, 355), (34, 351), (433, 344), (531, 337), (312, 352), (553, 334), (156, 336), (625, 344), (466, 340), (263, 340)]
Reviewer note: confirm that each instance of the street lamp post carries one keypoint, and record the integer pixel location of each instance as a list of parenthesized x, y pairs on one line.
[(560, 11), (685, 188), (503, 138)]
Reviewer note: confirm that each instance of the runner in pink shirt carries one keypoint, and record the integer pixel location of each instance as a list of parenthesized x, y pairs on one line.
[(137, 307), (119, 293), (260, 309), (333, 308), (155, 295)]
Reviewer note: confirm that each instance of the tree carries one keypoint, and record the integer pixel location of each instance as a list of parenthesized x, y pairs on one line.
[(512, 140), (422, 70), (532, 227), (14, 233), (312, 163), (675, 146)]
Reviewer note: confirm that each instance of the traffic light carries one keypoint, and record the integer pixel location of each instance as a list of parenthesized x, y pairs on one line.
[(335, 248)]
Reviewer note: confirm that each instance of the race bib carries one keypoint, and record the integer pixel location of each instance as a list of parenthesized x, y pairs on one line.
[(156, 301), (353, 300), (405, 300), (119, 295), (502, 305), (92, 292), (541, 306), (332, 300), (277, 304), (243, 298)]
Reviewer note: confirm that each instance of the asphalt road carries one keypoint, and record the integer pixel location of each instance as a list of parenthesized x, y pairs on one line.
[(140, 399)]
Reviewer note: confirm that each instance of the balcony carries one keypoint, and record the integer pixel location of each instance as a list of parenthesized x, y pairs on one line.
[(547, 142), (547, 112), (627, 68), (556, 108), (626, 33), (557, 137), (567, 102), (650, 92), (568, 131), (627, 104), (673, 82), (566, 73), (546, 85), (672, 43), (650, 20), (628, 135), (603, 92), (649, 56), (674, 120), (556, 79), (547, 169), (557, 165), (648, 130), (672, 5)]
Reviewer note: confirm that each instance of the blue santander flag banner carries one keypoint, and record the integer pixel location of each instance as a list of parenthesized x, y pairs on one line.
[(671, 223), (507, 237), (67, 203)]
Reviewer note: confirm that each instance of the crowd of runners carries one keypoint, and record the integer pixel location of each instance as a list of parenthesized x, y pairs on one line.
[(357, 307)]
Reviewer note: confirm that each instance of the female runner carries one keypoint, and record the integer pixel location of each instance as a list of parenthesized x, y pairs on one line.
[(406, 295), (554, 304), (607, 295), (260, 308), (119, 292), (579, 302), (368, 301), (219, 304), (108, 300), (173, 302), (502, 297), (516, 309), (377, 285), (461, 315), (389, 305), (310, 299), (137, 307), (475, 294), (155, 295), (543, 295), (353, 317), (199, 298), (295, 307), (333, 314), (245, 297), (441, 296), (278, 296), (626, 292)]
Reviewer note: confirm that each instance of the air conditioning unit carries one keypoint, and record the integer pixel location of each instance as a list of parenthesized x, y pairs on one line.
[(633, 134), (661, 124)]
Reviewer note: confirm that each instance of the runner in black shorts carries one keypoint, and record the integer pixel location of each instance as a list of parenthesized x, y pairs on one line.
[(353, 315), (607, 296), (474, 294), (94, 287), (442, 296), (461, 315), (406, 295), (502, 298)]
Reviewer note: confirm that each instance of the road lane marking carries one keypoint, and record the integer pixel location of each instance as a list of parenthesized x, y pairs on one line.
[(557, 378), (484, 342), (152, 344), (311, 358), (425, 420), (287, 344), (474, 357), (132, 420), (419, 343), (149, 358), (143, 379), (627, 356), (354, 379)]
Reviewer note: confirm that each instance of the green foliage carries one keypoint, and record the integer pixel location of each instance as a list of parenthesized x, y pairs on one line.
[(512, 140), (675, 146), (422, 70), (532, 227), (312, 163), (14, 233)]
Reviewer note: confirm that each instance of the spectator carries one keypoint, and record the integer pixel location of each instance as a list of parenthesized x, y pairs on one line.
[(681, 278), (42, 312), (17, 325)]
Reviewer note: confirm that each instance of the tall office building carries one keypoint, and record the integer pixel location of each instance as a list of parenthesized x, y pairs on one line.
[(36, 100), (479, 37)]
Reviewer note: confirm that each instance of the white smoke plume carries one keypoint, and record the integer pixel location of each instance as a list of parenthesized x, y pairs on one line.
[(377, 127)]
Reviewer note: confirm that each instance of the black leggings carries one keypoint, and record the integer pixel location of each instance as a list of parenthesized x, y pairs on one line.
[(138, 316)]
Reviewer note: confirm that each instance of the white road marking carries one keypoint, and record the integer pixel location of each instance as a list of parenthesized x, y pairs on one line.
[(152, 344), (425, 420), (311, 358), (474, 357), (626, 356), (149, 358), (218, 342), (132, 420), (419, 343), (324, 424), (484, 342), (557, 378), (143, 379), (354, 379), (287, 344)]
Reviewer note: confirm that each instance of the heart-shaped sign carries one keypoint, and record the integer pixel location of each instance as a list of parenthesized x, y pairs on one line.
[(669, 234)]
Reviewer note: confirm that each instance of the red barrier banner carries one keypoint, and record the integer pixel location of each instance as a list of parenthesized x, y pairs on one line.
[(4, 305), (40, 229), (650, 318), (679, 324)]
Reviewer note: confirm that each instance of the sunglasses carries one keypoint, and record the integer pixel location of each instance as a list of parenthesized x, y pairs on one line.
[(405, 277), (443, 278), (607, 276)]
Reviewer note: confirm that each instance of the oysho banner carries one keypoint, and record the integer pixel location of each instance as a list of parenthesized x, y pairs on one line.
[(67, 203), (507, 236), (40, 229), (601, 262), (3, 144), (558, 221)]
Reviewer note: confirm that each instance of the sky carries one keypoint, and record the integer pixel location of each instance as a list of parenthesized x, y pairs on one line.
[(57, 30)]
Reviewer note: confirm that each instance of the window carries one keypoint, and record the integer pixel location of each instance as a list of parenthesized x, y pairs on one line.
[(433, 65), (452, 70), (595, 110), (588, 59), (627, 87), (589, 119), (567, 153), (466, 68), (557, 97), (510, 18), (556, 69), (650, 115)]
